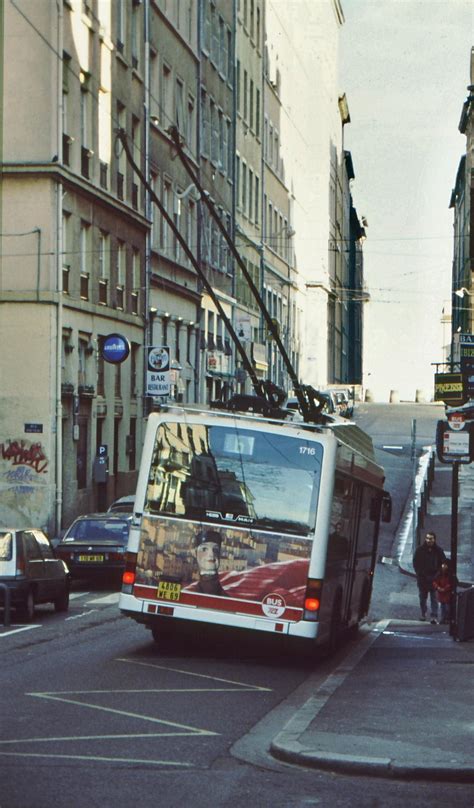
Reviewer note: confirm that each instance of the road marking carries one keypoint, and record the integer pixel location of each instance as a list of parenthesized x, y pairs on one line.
[(75, 595), (18, 629), (399, 448), (82, 614), (97, 758), (57, 697), (240, 685)]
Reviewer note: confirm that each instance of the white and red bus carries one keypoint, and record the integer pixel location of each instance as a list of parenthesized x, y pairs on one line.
[(252, 523)]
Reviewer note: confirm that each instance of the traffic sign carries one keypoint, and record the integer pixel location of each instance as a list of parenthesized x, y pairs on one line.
[(456, 421)]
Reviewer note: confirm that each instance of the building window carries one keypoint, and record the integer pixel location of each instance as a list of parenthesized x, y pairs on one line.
[(135, 281), (155, 112), (251, 104), (85, 257), (82, 358), (104, 267), (257, 113), (257, 200), (245, 94), (118, 381), (179, 107), (100, 375), (134, 371), (205, 125), (135, 35), (132, 445), (66, 271), (237, 88), (120, 287), (166, 96), (81, 456), (167, 204), (120, 25)]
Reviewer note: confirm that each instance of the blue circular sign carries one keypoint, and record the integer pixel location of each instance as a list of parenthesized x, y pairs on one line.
[(115, 348)]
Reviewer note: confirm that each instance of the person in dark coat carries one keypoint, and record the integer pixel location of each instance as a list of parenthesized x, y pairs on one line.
[(427, 562)]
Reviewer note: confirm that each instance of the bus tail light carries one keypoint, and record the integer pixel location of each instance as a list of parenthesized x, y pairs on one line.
[(129, 574), (312, 600)]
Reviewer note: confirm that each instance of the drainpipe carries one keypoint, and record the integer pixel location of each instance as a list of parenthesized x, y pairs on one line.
[(148, 323), (59, 283)]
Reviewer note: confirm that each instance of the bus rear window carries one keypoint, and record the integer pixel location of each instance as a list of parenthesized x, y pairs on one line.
[(267, 480)]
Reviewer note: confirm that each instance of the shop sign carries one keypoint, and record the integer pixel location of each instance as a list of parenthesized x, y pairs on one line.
[(449, 388), (158, 380)]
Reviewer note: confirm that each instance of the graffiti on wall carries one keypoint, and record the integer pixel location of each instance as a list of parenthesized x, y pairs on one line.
[(24, 481), (24, 453)]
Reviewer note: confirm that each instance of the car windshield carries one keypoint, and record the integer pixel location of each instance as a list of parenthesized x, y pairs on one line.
[(6, 545), (268, 480), (97, 530)]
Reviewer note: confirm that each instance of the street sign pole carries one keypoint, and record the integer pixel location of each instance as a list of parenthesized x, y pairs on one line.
[(414, 500), (454, 544)]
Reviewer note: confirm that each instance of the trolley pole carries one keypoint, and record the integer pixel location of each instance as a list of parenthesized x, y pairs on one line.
[(454, 544)]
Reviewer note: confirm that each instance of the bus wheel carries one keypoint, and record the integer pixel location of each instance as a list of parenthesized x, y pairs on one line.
[(161, 635), (364, 602), (336, 621)]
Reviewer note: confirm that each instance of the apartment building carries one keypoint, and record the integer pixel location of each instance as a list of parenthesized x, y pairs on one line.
[(462, 321), (73, 269), (216, 146), (94, 194)]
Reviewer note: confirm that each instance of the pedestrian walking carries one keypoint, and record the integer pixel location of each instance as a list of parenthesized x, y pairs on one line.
[(427, 562), (444, 583)]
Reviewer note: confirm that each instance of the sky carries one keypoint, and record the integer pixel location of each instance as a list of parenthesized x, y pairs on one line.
[(405, 68)]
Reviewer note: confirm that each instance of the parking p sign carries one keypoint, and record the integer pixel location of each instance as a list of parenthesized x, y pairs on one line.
[(158, 371)]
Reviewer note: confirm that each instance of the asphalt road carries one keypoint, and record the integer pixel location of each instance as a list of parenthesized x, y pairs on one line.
[(94, 715)]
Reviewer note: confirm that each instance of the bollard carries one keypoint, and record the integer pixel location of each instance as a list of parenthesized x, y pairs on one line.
[(6, 604), (368, 396), (420, 397), (394, 397)]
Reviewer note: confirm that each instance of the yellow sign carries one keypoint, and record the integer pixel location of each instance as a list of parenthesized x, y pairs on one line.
[(168, 590), (449, 388)]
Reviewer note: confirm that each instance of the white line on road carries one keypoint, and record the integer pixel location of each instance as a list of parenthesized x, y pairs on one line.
[(82, 614), (240, 685), (95, 758), (126, 713), (18, 630)]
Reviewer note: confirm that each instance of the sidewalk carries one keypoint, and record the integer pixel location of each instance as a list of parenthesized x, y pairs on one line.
[(382, 713)]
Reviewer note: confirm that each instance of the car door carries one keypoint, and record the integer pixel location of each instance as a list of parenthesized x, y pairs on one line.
[(54, 574), (34, 564)]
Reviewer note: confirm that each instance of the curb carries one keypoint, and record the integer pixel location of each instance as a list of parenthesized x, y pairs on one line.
[(294, 752)]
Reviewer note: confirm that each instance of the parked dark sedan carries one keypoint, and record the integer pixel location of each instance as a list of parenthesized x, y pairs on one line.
[(95, 545), (31, 572)]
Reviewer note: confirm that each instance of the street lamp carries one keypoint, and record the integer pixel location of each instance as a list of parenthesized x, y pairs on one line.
[(463, 291)]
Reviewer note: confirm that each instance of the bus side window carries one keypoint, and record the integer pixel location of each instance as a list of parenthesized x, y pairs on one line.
[(375, 508)]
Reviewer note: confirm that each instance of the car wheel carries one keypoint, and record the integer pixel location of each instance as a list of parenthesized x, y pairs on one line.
[(61, 604), (27, 609)]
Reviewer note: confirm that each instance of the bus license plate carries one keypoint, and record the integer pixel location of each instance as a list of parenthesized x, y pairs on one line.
[(167, 590), (91, 558)]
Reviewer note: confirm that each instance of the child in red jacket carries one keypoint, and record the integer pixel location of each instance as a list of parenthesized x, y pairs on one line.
[(444, 584)]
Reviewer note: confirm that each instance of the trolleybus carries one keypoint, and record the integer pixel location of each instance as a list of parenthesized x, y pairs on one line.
[(253, 523)]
